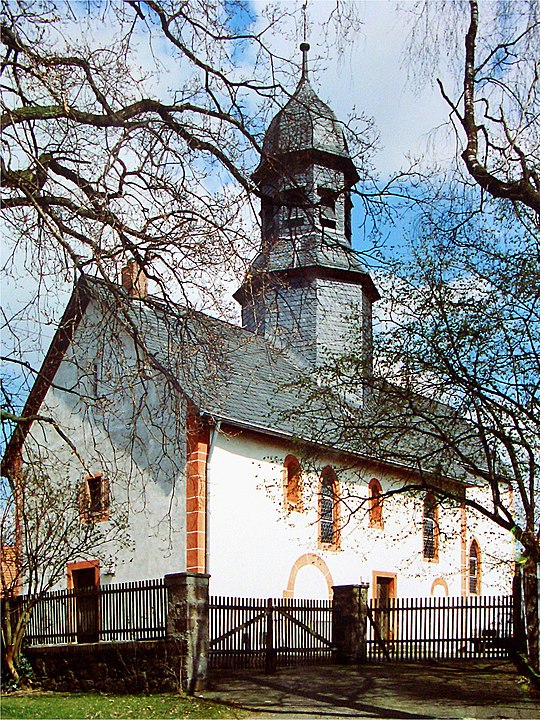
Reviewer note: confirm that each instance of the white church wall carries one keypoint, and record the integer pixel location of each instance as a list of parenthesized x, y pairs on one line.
[(497, 547), (257, 547), (253, 544), (256, 544), (126, 428)]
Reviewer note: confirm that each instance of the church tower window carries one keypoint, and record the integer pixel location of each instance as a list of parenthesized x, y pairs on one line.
[(294, 202), (327, 208), (348, 210), (268, 214)]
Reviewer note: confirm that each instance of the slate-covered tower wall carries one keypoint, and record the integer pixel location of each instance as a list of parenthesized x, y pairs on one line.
[(306, 282)]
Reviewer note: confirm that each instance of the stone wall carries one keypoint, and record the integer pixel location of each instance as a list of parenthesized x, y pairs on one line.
[(180, 660), (349, 621), (176, 662), (144, 666)]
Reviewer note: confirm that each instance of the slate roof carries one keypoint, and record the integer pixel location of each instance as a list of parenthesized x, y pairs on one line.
[(228, 372), (305, 123), (235, 376), (312, 251), (232, 375)]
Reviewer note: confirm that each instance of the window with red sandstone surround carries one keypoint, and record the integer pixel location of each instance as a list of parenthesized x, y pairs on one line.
[(474, 569), (292, 480), (375, 504), (329, 510), (94, 499), (431, 528)]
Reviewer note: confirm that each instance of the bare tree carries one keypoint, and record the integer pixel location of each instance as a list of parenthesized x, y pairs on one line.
[(130, 132), (40, 531), (492, 52), (97, 166), (104, 162), (129, 135), (455, 391)]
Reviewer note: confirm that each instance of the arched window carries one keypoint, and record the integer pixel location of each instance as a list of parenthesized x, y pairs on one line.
[(329, 508), (431, 531), (474, 568), (375, 504), (292, 483)]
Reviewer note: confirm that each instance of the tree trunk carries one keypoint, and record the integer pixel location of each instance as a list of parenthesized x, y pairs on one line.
[(530, 592), (520, 636), (14, 624), (9, 659)]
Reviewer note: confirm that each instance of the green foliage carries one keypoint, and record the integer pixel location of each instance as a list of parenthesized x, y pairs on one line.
[(9, 684)]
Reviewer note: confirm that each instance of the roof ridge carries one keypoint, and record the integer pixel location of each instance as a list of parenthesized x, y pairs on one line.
[(273, 345)]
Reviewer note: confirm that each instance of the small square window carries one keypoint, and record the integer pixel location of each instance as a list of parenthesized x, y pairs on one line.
[(94, 499)]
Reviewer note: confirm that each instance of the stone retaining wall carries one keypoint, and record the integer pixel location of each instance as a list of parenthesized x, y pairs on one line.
[(143, 666), (176, 662)]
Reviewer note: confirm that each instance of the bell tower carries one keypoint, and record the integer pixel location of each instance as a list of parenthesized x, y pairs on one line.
[(306, 281)]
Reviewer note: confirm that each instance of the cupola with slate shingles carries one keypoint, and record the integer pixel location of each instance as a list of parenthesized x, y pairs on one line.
[(306, 280)]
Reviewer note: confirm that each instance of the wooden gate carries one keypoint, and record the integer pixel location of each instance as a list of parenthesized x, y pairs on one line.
[(439, 628), (266, 634)]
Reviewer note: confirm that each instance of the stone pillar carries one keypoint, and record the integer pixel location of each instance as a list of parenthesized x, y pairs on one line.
[(349, 617), (188, 626)]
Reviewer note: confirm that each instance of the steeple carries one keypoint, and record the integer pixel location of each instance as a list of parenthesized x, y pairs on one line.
[(306, 277), (304, 48)]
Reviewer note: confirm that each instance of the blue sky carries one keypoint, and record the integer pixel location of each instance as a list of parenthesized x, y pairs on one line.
[(369, 75)]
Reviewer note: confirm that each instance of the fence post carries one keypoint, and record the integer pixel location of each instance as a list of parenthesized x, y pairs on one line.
[(349, 626), (188, 624), (270, 654)]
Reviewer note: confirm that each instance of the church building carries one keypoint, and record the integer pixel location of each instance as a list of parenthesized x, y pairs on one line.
[(191, 454)]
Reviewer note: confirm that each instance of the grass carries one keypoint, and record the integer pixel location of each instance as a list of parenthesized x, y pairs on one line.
[(49, 705)]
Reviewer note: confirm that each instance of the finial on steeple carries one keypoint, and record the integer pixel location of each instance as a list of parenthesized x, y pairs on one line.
[(304, 47)]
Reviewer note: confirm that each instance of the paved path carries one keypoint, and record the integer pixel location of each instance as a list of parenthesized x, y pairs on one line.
[(405, 691)]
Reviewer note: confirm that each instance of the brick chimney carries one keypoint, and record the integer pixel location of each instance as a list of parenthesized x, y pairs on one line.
[(134, 280)]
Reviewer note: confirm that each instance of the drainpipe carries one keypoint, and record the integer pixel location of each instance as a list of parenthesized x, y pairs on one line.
[(213, 437)]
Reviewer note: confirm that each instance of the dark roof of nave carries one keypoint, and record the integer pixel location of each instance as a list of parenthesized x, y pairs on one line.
[(234, 376)]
